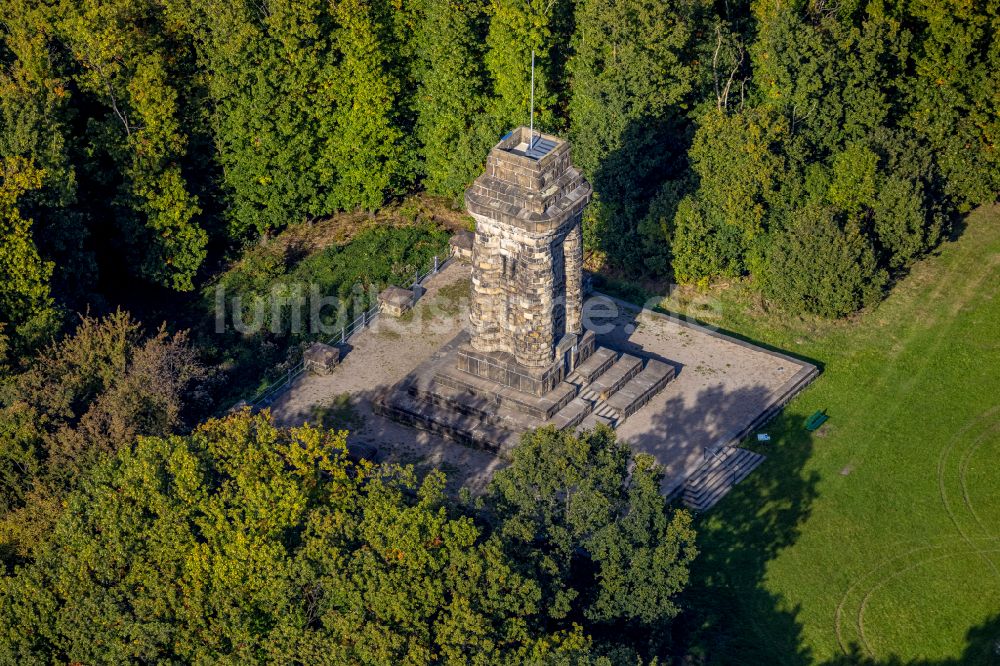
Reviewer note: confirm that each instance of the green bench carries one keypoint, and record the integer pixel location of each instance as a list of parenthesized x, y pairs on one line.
[(816, 420)]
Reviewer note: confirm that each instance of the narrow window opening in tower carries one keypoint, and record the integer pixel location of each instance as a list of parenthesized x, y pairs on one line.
[(508, 266)]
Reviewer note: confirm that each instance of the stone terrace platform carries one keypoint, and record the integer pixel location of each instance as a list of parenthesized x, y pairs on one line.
[(438, 396), (722, 387)]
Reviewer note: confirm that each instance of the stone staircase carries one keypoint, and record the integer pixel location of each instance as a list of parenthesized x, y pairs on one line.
[(611, 389), (595, 365), (717, 476), (718, 473), (605, 388)]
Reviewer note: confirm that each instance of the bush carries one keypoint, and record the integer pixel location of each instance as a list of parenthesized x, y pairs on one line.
[(817, 266), (704, 248), (355, 272)]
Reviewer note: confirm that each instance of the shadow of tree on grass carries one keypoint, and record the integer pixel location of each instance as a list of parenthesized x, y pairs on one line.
[(982, 648), (753, 523)]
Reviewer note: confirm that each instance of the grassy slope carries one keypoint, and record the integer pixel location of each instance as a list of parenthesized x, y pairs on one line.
[(879, 535)]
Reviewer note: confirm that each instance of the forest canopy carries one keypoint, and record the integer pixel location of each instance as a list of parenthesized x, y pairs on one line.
[(244, 542), (142, 138), (152, 150)]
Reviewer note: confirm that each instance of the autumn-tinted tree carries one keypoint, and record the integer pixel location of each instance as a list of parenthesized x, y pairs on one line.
[(242, 542), (84, 397)]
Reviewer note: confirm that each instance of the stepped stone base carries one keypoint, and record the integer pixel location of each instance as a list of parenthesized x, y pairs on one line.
[(442, 396), (502, 368)]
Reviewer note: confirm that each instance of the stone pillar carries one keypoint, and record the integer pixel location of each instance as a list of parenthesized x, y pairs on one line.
[(573, 261), (531, 307), (488, 311)]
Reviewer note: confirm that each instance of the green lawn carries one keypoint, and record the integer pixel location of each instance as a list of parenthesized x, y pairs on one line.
[(879, 536)]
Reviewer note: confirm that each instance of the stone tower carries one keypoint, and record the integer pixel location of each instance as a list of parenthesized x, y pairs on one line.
[(526, 359), (527, 273)]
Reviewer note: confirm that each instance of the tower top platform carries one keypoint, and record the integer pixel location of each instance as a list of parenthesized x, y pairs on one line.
[(529, 183)]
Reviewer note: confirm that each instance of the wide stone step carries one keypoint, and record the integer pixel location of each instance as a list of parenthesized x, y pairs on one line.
[(640, 389), (459, 400), (718, 476), (571, 415), (720, 479), (595, 365), (592, 420), (624, 369), (463, 428), (539, 408)]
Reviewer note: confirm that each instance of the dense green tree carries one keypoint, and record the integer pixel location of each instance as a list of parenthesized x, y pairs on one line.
[(953, 92), (306, 112), (632, 73), (36, 124), (740, 167), (264, 70), (853, 179), (631, 64), (242, 542), (588, 519), (123, 52), (26, 306), (821, 266), (454, 131), (900, 221), (364, 142), (837, 91), (831, 79), (171, 132), (518, 27)]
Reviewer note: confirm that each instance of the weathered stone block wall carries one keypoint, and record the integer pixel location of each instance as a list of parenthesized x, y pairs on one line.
[(527, 257), (519, 284)]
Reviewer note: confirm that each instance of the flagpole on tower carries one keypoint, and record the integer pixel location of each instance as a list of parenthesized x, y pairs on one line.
[(531, 128)]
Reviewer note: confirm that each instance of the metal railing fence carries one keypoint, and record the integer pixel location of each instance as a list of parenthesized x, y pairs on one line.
[(268, 395)]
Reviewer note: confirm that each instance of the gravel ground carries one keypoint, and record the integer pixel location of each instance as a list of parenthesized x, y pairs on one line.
[(382, 356), (721, 386)]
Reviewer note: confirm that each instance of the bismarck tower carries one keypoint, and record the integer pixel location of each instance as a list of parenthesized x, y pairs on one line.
[(527, 265), (525, 359)]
